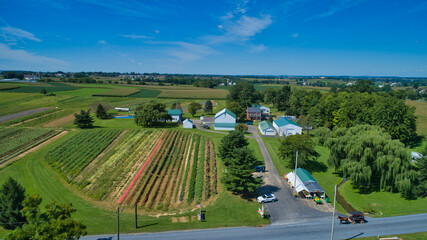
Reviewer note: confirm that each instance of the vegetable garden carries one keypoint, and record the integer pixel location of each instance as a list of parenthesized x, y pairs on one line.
[(15, 138), (155, 169)]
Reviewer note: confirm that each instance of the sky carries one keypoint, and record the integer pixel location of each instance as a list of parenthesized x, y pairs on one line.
[(249, 37)]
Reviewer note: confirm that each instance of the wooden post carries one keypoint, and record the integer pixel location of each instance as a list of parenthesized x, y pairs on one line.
[(118, 223), (136, 215)]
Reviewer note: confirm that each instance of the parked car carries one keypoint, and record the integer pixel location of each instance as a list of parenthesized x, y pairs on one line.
[(206, 126), (260, 169), (249, 123), (269, 197)]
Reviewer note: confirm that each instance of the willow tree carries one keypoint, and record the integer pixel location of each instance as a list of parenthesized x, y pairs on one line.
[(369, 157)]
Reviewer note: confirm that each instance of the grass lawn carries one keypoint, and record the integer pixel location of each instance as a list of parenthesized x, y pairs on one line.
[(83, 92), (37, 178), (421, 113), (409, 236)]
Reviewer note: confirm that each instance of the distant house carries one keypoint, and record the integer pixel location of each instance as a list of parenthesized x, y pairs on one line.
[(253, 113), (187, 123), (267, 128), (415, 155), (225, 120), (176, 115), (30, 77), (285, 127), (265, 110), (122, 109)]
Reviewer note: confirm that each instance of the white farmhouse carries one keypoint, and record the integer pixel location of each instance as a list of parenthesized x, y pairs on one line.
[(265, 110), (176, 115), (285, 127), (187, 123), (266, 128), (225, 120)]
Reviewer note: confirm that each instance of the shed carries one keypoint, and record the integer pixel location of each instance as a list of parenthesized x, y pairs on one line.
[(176, 115), (187, 123), (305, 183), (267, 128), (285, 127)]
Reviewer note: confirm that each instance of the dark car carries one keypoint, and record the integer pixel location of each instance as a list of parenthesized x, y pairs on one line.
[(206, 126), (260, 169)]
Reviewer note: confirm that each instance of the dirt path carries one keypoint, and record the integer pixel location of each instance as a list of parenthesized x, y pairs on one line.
[(25, 153), (29, 120), (12, 116), (60, 122)]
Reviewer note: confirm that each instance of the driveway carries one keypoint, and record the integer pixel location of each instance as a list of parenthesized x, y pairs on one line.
[(12, 116), (287, 209)]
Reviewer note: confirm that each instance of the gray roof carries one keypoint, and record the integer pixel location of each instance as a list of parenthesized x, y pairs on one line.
[(254, 109)]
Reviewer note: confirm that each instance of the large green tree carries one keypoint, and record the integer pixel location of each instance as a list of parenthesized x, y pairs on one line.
[(235, 139), (194, 107), (301, 143), (54, 223), (241, 165), (84, 119), (278, 97), (151, 114), (244, 93), (369, 157), (100, 112), (12, 194), (237, 109), (208, 108)]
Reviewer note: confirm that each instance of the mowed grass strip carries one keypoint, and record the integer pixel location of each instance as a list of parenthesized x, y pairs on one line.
[(421, 113), (118, 92)]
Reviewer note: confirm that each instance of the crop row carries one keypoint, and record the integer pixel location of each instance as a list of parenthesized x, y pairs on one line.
[(46, 118), (70, 158), (28, 117), (14, 138)]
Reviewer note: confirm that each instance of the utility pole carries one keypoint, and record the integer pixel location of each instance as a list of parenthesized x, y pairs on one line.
[(295, 177), (118, 223), (333, 214), (136, 215)]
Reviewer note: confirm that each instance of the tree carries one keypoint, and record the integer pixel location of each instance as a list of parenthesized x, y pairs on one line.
[(237, 109), (301, 143), (244, 93), (208, 108), (241, 165), (176, 105), (12, 194), (151, 114), (234, 139), (421, 179), (55, 223), (194, 107), (369, 157), (241, 127), (84, 119), (43, 91), (282, 98), (101, 113)]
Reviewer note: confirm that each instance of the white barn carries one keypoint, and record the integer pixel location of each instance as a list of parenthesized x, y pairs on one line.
[(187, 123), (285, 127), (225, 120), (266, 128)]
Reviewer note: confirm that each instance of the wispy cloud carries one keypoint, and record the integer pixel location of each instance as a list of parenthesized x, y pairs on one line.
[(257, 48), (12, 35), (339, 6), (187, 52), (134, 36), (102, 42), (238, 26), (20, 55)]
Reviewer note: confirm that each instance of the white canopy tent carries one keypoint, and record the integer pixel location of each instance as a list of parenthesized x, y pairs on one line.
[(305, 183)]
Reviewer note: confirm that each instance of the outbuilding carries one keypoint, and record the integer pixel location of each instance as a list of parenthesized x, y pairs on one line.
[(176, 115), (286, 127), (225, 120), (305, 183), (187, 123), (267, 128)]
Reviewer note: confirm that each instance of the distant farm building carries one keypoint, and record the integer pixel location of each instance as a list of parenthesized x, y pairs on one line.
[(122, 109), (285, 127), (267, 128), (253, 114), (207, 120), (176, 115), (225, 120), (265, 110), (187, 123)]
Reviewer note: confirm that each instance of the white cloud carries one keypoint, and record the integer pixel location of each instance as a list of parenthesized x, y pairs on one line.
[(295, 35), (187, 52), (258, 48), (13, 35), (134, 36), (140, 64), (103, 42), (20, 55), (157, 31), (335, 8)]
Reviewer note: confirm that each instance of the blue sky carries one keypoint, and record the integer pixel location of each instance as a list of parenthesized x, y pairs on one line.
[(294, 37)]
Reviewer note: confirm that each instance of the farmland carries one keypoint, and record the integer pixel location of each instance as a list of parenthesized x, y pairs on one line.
[(118, 92), (159, 169), (14, 138)]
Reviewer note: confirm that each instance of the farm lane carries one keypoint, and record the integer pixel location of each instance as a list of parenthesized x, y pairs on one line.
[(314, 229), (12, 116), (287, 209)]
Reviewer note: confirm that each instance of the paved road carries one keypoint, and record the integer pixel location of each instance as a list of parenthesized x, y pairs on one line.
[(287, 209), (21, 114), (309, 230)]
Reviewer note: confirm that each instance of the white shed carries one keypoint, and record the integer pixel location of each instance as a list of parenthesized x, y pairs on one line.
[(187, 123), (266, 128), (285, 127)]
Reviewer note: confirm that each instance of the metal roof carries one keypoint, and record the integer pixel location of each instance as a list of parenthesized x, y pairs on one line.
[(254, 109), (174, 111), (283, 122), (265, 125), (225, 124), (225, 110)]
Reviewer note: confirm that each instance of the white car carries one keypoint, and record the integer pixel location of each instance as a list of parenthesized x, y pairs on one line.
[(269, 197)]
